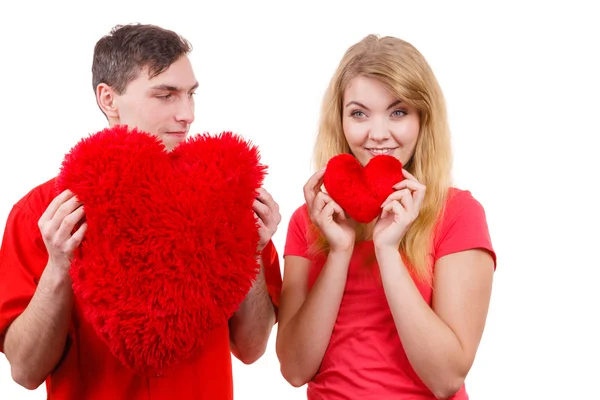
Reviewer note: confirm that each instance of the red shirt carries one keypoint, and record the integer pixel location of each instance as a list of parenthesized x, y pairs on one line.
[(88, 370), (365, 358)]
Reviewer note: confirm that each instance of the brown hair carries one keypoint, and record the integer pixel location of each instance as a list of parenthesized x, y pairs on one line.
[(127, 49)]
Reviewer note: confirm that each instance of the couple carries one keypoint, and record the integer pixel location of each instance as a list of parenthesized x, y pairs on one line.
[(393, 308)]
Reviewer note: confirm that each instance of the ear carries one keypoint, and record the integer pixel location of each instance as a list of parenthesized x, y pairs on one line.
[(106, 98)]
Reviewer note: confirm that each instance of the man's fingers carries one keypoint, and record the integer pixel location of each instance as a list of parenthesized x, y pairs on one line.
[(55, 204), (262, 210), (70, 221), (78, 236)]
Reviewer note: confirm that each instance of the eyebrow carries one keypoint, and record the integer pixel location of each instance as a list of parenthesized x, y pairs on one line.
[(394, 104), (170, 88)]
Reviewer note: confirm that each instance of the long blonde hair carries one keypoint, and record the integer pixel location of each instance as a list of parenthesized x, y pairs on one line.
[(405, 72)]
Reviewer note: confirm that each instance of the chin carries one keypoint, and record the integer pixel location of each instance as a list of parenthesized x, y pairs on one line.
[(170, 143)]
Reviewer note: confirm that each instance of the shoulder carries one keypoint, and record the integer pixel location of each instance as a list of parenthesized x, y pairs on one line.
[(300, 214), (35, 202), (462, 224), (22, 244), (460, 199), (297, 238), (301, 224), (461, 205), (299, 221)]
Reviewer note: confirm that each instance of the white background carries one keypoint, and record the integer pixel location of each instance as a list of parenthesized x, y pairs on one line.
[(522, 86)]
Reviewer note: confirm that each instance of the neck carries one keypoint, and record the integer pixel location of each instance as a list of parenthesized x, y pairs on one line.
[(367, 230)]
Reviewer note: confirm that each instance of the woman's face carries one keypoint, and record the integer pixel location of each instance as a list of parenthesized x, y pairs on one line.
[(375, 122)]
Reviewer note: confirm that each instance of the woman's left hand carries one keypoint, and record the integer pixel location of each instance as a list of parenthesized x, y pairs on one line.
[(400, 210)]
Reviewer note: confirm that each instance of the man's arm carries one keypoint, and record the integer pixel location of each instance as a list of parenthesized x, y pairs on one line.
[(36, 340), (251, 325)]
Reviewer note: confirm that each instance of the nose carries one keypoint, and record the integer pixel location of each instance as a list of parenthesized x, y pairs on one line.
[(185, 111), (379, 131)]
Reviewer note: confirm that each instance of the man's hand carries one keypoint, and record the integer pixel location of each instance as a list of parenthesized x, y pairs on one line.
[(57, 225), (267, 212)]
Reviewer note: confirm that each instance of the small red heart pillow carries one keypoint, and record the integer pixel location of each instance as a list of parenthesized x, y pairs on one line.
[(361, 191), (169, 253)]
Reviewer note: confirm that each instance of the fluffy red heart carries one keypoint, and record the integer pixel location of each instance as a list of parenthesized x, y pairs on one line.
[(169, 253), (361, 191)]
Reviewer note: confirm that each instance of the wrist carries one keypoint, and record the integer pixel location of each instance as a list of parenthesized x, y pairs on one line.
[(58, 272), (342, 250), (386, 247), (386, 251), (341, 254), (55, 281)]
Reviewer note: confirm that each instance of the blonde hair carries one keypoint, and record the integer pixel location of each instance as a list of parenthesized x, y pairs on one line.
[(405, 72)]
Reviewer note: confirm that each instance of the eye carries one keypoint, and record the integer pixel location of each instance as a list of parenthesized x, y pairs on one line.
[(399, 113), (165, 96), (358, 114)]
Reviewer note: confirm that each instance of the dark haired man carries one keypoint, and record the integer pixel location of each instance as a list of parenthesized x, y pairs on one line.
[(142, 77)]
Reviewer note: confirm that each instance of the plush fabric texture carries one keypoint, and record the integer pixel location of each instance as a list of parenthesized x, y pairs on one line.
[(169, 253), (361, 191)]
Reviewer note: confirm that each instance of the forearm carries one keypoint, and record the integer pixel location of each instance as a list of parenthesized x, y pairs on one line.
[(251, 325), (303, 340), (35, 341), (432, 348)]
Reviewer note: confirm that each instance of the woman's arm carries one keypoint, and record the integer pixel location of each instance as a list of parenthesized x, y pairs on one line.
[(307, 318), (440, 341)]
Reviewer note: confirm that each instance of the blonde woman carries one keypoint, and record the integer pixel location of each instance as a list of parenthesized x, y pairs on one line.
[(395, 308)]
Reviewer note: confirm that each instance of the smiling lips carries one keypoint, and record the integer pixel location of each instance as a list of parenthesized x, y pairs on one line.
[(377, 152)]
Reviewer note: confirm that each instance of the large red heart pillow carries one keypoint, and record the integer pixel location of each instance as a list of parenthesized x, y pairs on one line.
[(170, 249), (361, 191)]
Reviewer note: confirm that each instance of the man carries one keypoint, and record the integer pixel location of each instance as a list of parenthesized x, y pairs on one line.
[(143, 78)]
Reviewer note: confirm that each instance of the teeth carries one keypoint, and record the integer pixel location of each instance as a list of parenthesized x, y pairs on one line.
[(380, 151)]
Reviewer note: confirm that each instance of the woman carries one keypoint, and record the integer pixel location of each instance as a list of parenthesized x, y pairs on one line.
[(394, 308)]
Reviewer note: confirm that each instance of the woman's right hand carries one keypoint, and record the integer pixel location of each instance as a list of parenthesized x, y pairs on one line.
[(328, 215)]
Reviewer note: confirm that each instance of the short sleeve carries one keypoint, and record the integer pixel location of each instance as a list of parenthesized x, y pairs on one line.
[(296, 243), (22, 260), (272, 271), (463, 227)]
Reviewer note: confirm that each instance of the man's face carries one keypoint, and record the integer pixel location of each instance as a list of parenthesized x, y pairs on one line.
[(162, 106)]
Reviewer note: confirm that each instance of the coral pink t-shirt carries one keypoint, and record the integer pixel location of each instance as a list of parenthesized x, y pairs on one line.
[(365, 358)]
